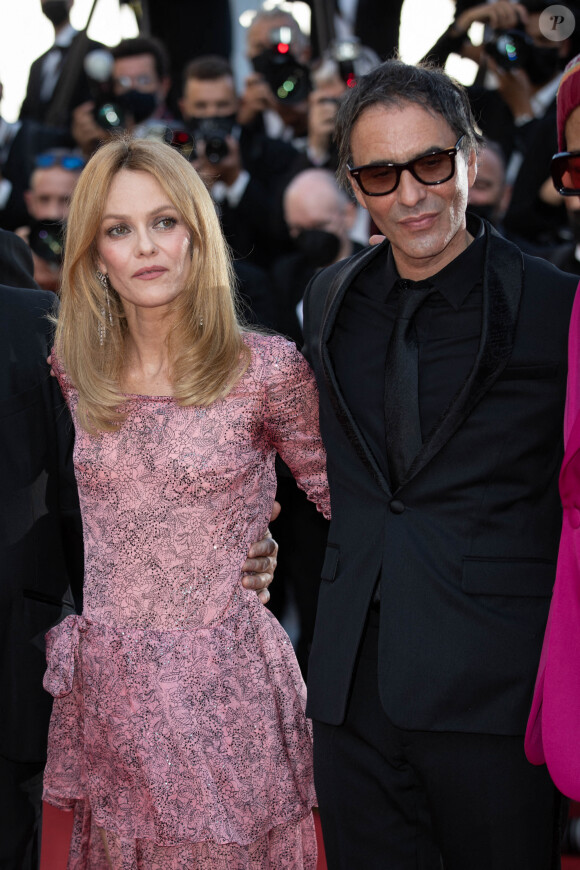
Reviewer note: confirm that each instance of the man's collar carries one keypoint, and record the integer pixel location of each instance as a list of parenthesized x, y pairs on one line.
[(456, 280), (65, 37)]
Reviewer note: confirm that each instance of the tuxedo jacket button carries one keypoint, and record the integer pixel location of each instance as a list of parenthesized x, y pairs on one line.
[(396, 506)]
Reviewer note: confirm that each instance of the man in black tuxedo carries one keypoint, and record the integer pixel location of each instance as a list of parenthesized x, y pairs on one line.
[(41, 554), (57, 81), (440, 356)]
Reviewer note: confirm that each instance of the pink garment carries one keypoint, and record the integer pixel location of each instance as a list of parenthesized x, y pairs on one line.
[(179, 714), (553, 732)]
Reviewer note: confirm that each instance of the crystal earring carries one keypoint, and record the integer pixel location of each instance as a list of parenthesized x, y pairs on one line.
[(104, 279)]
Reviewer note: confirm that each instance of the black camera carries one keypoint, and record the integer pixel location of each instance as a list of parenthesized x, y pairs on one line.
[(46, 239), (112, 110), (108, 112), (511, 49), (288, 79), (214, 132), (109, 115), (352, 59)]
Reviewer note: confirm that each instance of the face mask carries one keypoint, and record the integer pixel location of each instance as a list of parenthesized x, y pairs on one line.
[(319, 247), (56, 11), (139, 105)]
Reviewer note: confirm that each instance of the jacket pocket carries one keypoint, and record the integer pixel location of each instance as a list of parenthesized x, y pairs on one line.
[(532, 372), (330, 564), (532, 578)]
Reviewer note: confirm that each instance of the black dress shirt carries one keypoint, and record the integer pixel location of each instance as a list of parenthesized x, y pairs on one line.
[(448, 329)]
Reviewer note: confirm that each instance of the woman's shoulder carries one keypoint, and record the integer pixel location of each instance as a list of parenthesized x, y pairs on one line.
[(275, 358), (270, 345)]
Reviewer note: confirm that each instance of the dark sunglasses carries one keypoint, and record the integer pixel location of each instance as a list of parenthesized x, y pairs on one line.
[(565, 169), (178, 139), (379, 179), (67, 161)]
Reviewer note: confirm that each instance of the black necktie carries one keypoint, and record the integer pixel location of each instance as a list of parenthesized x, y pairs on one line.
[(402, 422)]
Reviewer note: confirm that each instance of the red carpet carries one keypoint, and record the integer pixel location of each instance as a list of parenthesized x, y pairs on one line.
[(57, 828)]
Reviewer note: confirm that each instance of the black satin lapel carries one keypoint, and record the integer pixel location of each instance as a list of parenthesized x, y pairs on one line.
[(342, 281), (502, 288)]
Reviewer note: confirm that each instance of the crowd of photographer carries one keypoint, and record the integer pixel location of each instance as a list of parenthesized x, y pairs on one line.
[(248, 146)]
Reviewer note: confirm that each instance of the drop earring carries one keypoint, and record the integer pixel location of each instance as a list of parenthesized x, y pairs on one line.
[(104, 280)]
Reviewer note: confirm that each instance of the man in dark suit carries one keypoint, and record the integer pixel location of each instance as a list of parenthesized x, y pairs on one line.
[(440, 356), (57, 81), (40, 544)]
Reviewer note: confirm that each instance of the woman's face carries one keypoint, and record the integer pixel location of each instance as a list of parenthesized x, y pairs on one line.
[(143, 243)]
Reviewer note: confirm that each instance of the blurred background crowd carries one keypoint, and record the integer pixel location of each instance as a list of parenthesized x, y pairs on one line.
[(260, 133)]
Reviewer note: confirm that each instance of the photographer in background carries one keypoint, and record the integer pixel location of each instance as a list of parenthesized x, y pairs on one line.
[(51, 186), (279, 52), (243, 168), (57, 82), (490, 193), (514, 101), (132, 99)]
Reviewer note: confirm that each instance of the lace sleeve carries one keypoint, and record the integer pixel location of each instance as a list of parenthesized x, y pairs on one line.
[(291, 419)]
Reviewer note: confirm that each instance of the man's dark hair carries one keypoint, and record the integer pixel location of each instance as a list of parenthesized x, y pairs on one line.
[(144, 45), (207, 67), (396, 84)]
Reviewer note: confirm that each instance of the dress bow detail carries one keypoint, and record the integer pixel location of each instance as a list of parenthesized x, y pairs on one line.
[(61, 645)]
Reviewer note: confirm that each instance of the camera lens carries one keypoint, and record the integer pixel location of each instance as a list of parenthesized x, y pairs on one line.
[(46, 240), (216, 148), (110, 116)]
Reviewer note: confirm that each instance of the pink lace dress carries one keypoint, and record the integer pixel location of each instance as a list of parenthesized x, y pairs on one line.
[(178, 725)]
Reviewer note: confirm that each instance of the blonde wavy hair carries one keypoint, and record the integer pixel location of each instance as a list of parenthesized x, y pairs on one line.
[(206, 350)]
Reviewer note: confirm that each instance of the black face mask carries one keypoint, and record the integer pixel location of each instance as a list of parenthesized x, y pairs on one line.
[(139, 105), (319, 247), (542, 65), (56, 11)]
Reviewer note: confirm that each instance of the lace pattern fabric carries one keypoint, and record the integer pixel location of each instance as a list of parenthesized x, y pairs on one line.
[(179, 713)]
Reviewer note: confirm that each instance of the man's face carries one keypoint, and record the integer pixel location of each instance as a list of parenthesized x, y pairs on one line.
[(209, 98), (50, 191), (534, 31), (489, 185), (137, 73), (425, 224), (315, 209)]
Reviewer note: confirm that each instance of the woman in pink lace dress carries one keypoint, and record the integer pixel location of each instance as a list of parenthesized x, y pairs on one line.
[(178, 732)]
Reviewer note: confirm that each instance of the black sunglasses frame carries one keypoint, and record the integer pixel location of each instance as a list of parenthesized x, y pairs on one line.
[(557, 175), (355, 171)]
